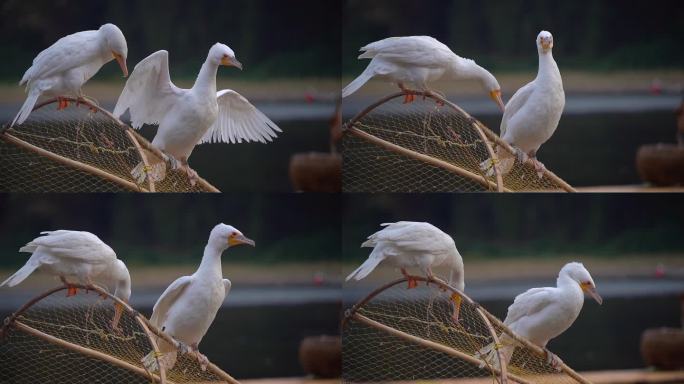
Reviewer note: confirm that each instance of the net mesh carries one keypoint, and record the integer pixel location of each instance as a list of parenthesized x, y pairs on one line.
[(102, 150), (441, 149), (41, 345), (380, 345)]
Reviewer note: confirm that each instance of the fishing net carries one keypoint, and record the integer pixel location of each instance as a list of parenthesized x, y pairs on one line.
[(59, 339), (432, 145), (399, 334), (82, 148)]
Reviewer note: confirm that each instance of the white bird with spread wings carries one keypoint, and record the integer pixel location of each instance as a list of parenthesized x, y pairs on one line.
[(187, 117)]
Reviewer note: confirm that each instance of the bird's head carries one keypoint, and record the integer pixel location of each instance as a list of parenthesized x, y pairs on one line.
[(225, 236), (116, 45), (544, 42), (581, 276), (221, 54), (492, 86)]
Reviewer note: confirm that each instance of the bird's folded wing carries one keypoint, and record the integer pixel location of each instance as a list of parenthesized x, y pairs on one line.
[(75, 245), (516, 102), (166, 300), (411, 50), (410, 236), (238, 120), (529, 303), (68, 52), (149, 93)]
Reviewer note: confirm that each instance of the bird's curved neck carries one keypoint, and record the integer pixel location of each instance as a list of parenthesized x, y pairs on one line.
[(466, 68), (206, 79), (211, 261), (566, 281)]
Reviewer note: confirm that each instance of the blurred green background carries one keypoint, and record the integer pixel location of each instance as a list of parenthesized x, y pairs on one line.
[(500, 34), (536, 225), (173, 229), (273, 39)]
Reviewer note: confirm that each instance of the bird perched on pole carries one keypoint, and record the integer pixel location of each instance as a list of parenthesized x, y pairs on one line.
[(419, 60), (61, 69), (189, 305), (409, 244)]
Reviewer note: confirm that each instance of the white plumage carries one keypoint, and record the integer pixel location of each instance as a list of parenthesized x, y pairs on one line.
[(419, 60), (188, 306), (533, 113), (62, 68), (541, 314), (76, 257), (187, 117)]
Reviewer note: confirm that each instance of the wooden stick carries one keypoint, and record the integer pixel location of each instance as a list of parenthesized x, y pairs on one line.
[(432, 345), (73, 163), (421, 157), (86, 351)]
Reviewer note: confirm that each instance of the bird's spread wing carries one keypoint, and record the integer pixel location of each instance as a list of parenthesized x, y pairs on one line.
[(166, 300), (149, 93), (514, 104), (226, 285), (238, 120), (68, 52), (410, 50), (75, 245), (529, 303)]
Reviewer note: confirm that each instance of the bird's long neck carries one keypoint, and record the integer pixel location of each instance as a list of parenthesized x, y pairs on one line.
[(211, 262), (547, 66), (456, 274), (566, 282), (206, 79), (466, 68)]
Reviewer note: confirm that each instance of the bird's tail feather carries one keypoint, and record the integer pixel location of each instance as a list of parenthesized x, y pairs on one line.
[(27, 107), (367, 267), (489, 354), (357, 83), (20, 275), (167, 360), (506, 162)]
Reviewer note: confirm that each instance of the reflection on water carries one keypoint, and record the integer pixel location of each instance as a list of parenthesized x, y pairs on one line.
[(600, 149)]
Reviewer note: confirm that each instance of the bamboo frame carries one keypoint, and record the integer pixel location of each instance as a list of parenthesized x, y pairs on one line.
[(150, 330), (138, 141), (488, 318), (485, 134)]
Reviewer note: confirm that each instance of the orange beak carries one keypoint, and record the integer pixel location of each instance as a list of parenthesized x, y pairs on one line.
[(122, 63), (496, 96)]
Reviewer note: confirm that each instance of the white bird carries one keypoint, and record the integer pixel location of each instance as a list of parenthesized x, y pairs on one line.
[(419, 60), (188, 306), (76, 257), (187, 117), (61, 69), (533, 113), (407, 244), (541, 314)]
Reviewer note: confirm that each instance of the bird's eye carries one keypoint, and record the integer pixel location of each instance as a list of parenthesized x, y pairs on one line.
[(233, 234)]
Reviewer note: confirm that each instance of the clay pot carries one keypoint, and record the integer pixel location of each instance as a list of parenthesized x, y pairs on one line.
[(321, 356), (316, 172), (661, 164), (663, 348)]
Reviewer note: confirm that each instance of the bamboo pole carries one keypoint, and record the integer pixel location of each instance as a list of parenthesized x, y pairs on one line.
[(73, 163), (434, 346), (421, 157), (86, 351)]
